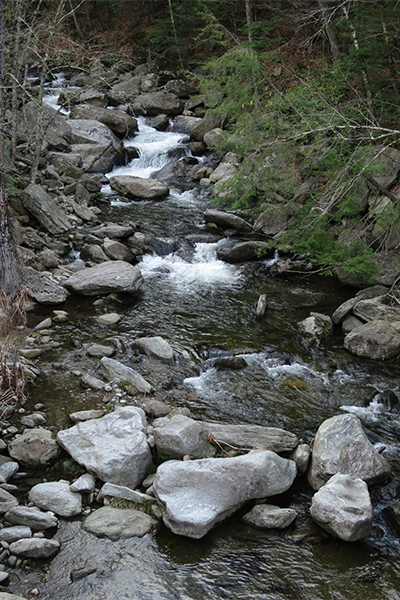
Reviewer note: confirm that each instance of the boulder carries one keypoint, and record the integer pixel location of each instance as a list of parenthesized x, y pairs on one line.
[(183, 124), (230, 362), (196, 495), (12, 534), (343, 508), (112, 231), (236, 252), (116, 371), (34, 448), (374, 309), (125, 91), (98, 158), (137, 187), (155, 103), (31, 517), (378, 340), (225, 220), (268, 516), (272, 221), (178, 436), (89, 96), (7, 501), (114, 448), (35, 548), (213, 138), (109, 277), (62, 161), (154, 346), (207, 123), (94, 254), (116, 523), (54, 127), (344, 309), (117, 120), (117, 251), (42, 288), (341, 446), (41, 205), (100, 350), (253, 436), (176, 171), (317, 326), (301, 456), (57, 497)]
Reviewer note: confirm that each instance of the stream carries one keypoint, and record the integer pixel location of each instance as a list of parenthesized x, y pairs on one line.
[(206, 308)]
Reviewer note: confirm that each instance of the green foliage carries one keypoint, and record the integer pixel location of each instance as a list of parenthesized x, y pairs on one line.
[(144, 506)]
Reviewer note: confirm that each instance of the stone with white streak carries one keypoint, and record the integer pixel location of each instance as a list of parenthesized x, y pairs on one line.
[(195, 495)]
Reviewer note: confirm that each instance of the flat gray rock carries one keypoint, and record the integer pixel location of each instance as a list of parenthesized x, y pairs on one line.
[(226, 220), (116, 523), (86, 415), (42, 288), (114, 448), (108, 277), (35, 548), (253, 436), (116, 371), (268, 516), (57, 497), (100, 350), (7, 501), (137, 187), (110, 490), (33, 448), (196, 495), (38, 202), (343, 508), (341, 446), (155, 346), (31, 517)]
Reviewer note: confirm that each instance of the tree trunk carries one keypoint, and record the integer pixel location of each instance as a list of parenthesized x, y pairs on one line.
[(9, 272), (357, 47), (329, 30), (249, 19)]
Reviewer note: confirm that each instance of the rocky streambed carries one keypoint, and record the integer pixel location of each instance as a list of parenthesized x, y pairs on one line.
[(181, 383)]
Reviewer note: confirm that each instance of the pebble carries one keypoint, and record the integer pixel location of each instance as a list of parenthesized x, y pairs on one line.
[(39, 406), (108, 388)]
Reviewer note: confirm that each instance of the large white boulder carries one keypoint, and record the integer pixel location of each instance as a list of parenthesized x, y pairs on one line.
[(114, 448), (341, 446), (343, 508), (196, 495), (106, 278)]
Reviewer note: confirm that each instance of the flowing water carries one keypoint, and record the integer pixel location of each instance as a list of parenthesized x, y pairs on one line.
[(206, 308)]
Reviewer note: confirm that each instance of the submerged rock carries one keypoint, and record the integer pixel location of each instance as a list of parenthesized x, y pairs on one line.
[(114, 448), (116, 523), (268, 516), (341, 446), (196, 495), (343, 508)]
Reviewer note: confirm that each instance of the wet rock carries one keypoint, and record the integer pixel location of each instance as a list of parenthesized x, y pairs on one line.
[(89, 381), (156, 409), (116, 371), (268, 516), (137, 187), (45, 324), (31, 517), (196, 495), (230, 362), (374, 309), (391, 512), (84, 484), (57, 497), (108, 319), (7, 501), (114, 448), (33, 448), (40, 204), (350, 323), (379, 340), (116, 523), (155, 103), (35, 548), (317, 326), (344, 309), (236, 252), (154, 346), (12, 534), (117, 251), (183, 124), (341, 446), (100, 350), (42, 288), (179, 436), (343, 508), (94, 253), (252, 436), (225, 220), (261, 306), (117, 120), (89, 131), (115, 276), (113, 231), (207, 123)]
